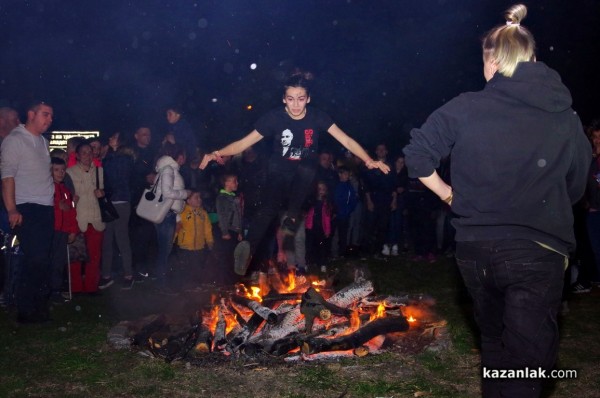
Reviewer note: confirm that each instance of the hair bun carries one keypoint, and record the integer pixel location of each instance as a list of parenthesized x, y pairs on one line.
[(515, 14)]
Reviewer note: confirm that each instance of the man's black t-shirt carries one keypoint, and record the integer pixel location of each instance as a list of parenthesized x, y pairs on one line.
[(299, 138)]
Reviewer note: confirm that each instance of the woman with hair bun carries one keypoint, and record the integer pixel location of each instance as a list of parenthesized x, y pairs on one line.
[(519, 160), (292, 169)]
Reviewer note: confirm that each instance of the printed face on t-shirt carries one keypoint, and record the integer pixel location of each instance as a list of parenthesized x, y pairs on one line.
[(286, 138)]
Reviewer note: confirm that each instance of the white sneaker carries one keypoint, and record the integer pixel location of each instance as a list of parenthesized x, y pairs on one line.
[(395, 250), (386, 250)]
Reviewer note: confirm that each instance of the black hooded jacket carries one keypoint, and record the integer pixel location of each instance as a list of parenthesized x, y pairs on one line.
[(519, 158)]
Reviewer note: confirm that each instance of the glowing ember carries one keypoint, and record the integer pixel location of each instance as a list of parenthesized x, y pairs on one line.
[(411, 319)]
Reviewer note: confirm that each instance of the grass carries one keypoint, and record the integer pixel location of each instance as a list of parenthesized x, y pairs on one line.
[(69, 357)]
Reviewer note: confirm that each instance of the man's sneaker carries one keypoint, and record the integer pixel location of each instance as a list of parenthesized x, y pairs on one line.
[(395, 250), (241, 256), (105, 283), (127, 283), (140, 276), (57, 298), (578, 288), (386, 250)]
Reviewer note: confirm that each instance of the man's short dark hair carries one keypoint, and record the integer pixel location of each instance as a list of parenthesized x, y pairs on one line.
[(176, 109), (34, 106)]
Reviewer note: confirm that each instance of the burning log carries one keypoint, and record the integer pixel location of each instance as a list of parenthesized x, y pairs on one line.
[(159, 324), (361, 336), (264, 312), (275, 297), (242, 337), (179, 345), (220, 339), (370, 346), (289, 343), (398, 301), (204, 341), (314, 305), (293, 321), (351, 294)]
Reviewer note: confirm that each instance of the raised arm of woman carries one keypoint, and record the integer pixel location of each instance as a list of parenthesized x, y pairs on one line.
[(232, 149), (350, 144)]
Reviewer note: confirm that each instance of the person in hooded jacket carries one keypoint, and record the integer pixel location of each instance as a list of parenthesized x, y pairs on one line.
[(170, 186), (519, 161)]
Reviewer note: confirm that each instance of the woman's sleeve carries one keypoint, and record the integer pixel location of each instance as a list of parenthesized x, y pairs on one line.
[(167, 180)]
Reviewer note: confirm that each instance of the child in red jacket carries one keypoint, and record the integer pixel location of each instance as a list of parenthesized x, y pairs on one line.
[(65, 228)]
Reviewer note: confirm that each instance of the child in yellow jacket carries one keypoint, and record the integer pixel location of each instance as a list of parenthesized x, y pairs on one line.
[(193, 235)]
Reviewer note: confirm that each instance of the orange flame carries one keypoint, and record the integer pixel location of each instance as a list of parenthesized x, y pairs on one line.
[(354, 321), (255, 293), (380, 313), (291, 281), (214, 317), (411, 319)]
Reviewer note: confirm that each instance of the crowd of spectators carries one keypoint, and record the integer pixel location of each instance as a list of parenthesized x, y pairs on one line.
[(352, 211)]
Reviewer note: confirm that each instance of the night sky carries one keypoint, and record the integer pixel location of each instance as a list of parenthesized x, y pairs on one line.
[(380, 66)]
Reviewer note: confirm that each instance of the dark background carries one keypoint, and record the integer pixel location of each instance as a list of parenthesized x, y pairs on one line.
[(380, 66)]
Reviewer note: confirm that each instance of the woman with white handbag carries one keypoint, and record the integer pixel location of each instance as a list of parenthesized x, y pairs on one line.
[(169, 184)]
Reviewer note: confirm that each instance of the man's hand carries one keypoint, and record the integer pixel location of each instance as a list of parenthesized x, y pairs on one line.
[(14, 218)]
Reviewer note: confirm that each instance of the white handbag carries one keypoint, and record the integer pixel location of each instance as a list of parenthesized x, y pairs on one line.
[(153, 207)]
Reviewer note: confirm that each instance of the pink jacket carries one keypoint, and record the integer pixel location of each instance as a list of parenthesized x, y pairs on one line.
[(326, 212)]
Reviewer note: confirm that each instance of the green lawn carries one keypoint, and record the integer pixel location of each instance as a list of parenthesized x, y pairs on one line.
[(69, 357)]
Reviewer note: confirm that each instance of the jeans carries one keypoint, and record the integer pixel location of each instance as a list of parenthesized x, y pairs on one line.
[(117, 231), (516, 286), (35, 237), (288, 181), (165, 231), (297, 256), (593, 229), (59, 261)]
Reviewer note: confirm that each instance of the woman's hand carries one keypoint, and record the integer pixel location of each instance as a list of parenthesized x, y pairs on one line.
[(210, 157), (99, 193), (377, 164)]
